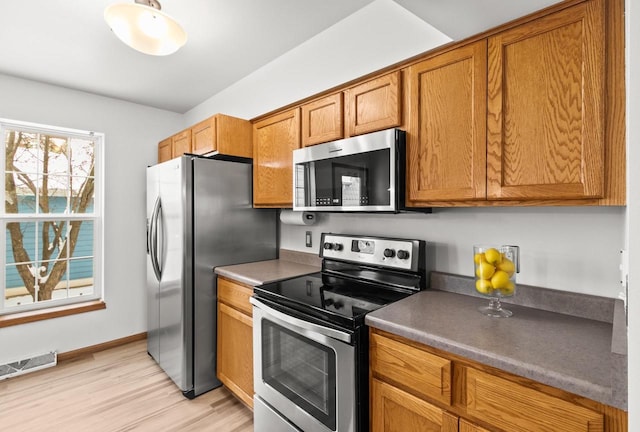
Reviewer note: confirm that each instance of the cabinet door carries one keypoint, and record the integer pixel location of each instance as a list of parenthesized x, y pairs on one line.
[(203, 136), (164, 150), (235, 352), (234, 136), (545, 108), (393, 410), (274, 140), (374, 105), (182, 143), (446, 127), (510, 406), (322, 120)]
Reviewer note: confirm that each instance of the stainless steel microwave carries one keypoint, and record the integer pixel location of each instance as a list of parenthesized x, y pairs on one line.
[(365, 173)]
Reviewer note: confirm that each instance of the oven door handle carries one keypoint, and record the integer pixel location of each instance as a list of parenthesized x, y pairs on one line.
[(316, 328)]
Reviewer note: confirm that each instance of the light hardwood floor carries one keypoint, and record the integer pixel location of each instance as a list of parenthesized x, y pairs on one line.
[(119, 389)]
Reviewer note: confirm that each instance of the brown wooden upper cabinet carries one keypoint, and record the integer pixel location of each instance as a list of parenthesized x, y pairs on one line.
[(374, 105), (165, 149), (223, 134), (181, 143), (546, 107), (322, 120), (446, 125), (274, 139), (539, 89), (220, 133)]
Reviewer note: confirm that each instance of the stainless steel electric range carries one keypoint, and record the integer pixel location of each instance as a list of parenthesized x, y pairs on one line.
[(310, 340)]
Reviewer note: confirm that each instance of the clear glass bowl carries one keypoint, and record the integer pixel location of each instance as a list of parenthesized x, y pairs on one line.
[(495, 269)]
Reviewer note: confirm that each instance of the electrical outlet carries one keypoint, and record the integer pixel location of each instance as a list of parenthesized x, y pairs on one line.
[(624, 267), (307, 239)]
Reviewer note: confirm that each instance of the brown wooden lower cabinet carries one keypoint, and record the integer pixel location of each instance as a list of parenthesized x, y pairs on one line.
[(395, 410), (409, 381), (235, 339)]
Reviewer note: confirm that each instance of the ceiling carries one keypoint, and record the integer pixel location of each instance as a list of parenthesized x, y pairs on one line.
[(67, 42)]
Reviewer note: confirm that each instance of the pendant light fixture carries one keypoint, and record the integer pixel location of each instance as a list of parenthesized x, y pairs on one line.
[(143, 27)]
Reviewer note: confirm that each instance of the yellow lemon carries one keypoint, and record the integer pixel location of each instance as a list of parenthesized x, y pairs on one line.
[(508, 289), (485, 270), (478, 258), (500, 279), (493, 256), (507, 266), (484, 286)]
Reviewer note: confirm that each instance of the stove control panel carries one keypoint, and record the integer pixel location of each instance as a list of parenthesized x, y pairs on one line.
[(401, 254)]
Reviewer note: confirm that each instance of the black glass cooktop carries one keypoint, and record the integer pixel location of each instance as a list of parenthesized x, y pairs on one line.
[(338, 300)]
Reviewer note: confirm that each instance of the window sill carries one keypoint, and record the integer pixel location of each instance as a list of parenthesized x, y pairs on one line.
[(45, 314)]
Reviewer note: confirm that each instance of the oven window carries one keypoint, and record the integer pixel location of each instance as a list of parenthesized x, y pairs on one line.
[(302, 370)]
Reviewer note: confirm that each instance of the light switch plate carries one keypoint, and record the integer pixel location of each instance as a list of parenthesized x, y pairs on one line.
[(307, 239)]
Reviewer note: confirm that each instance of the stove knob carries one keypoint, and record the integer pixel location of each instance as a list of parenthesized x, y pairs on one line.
[(327, 246), (338, 246), (403, 254), (390, 253)]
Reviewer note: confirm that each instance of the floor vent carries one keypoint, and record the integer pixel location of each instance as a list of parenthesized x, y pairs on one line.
[(28, 365)]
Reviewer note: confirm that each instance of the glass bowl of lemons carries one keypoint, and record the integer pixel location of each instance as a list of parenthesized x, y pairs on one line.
[(495, 269)]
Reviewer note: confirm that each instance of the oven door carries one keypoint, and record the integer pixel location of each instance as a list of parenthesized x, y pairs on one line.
[(304, 370)]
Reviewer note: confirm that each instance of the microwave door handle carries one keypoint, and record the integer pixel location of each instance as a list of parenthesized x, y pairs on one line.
[(315, 328)]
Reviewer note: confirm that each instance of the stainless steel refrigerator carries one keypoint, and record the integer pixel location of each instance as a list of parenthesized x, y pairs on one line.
[(199, 216)]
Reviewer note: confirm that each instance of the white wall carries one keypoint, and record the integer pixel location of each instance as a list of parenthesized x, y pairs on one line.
[(131, 136), (633, 207), (376, 36)]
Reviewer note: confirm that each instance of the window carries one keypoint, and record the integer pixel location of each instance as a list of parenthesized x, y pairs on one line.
[(51, 221)]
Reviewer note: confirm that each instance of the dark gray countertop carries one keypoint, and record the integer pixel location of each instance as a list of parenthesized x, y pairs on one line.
[(573, 353), (289, 265)]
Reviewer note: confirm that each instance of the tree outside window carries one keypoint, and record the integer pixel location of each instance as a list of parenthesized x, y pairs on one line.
[(50, 218)]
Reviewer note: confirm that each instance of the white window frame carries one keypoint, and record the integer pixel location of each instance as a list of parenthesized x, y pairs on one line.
[(96, 217)]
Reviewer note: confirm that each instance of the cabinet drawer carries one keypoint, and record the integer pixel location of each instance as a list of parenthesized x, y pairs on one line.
[(511, 406), (235, 295), (424, 373)]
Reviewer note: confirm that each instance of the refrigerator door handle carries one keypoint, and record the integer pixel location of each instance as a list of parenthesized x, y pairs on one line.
[(153, 240)]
